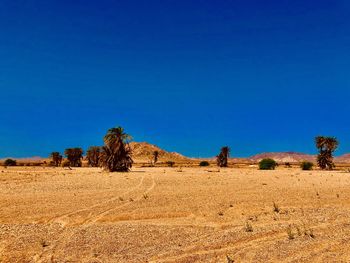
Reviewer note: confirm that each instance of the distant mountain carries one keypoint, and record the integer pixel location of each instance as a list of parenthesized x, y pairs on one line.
[(283, 157), (143, 153), (345, 158)]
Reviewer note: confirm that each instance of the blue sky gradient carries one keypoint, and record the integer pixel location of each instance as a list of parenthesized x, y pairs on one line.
[(189, 76)]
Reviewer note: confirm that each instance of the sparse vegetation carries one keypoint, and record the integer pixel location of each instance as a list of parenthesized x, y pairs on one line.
[(74, 156), (155, 156), (222, 158), (306, 165), (248, 226), (305, 231), (287, 165), (204, 163), (56, 159), (276, 208), (267, 164), (290, 233), (116, 153), (93, 156), (326, 147), (65, 163), (43, 243), (229, 259), (170, 163), (10, 162)]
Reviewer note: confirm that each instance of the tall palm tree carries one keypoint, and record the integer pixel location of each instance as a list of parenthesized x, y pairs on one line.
[(222, 158), (116, 153), (93, 155), (326, 147)]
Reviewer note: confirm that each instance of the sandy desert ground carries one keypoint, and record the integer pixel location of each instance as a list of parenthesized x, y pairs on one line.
[(172, 215)]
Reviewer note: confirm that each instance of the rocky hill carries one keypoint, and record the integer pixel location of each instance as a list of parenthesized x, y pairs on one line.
[(143, 152)]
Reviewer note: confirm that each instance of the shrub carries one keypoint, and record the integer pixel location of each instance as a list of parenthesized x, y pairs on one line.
[(276, 208), (170, 163), (36, 164), (66, 163), (288, 165), (306, 165), (204, 163), (10, 162), (290, 232), (248, 227), (267, 164)]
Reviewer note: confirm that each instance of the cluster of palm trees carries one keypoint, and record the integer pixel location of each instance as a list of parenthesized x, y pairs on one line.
[(56, 158), (325, 145), (114, 156), (74, 156)]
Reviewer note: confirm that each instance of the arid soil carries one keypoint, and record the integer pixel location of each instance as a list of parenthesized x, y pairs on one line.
[(174, 215)]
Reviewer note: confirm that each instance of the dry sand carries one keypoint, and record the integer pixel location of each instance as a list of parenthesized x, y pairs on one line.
[(164, 215)]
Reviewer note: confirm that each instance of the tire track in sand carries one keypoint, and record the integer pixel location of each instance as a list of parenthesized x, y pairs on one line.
[(100, 215), (241, 243), (60, 219), (89, 221)]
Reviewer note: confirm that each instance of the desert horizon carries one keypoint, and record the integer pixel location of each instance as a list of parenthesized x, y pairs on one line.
[(142, 153), (170, 131)]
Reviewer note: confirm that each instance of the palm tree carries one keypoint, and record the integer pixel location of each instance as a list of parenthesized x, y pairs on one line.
[(93, 155), (56, 158), (326, 147), (116, 153), (222, 158), (74, 156)]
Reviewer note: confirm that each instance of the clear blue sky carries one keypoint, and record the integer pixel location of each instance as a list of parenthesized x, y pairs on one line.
[(189, 76)]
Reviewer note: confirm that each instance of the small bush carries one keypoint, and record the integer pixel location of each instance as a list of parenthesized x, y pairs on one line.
[(276, 208), (290, 232), (204, 163), (170, 163), (248, 227), (288, 165), (10, 162), (306, 165), (66, 163), (267, 164)]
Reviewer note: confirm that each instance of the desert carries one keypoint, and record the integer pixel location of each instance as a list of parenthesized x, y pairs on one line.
[(174, 131), (168, 214)]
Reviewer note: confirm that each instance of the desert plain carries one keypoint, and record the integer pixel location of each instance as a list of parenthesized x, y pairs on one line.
[(173, 214)]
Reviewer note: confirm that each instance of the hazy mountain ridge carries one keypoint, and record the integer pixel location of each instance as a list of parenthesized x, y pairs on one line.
[(291, 157), (143, 152)]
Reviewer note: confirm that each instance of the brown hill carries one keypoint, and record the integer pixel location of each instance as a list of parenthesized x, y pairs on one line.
[(143, 152), (282, 157)]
